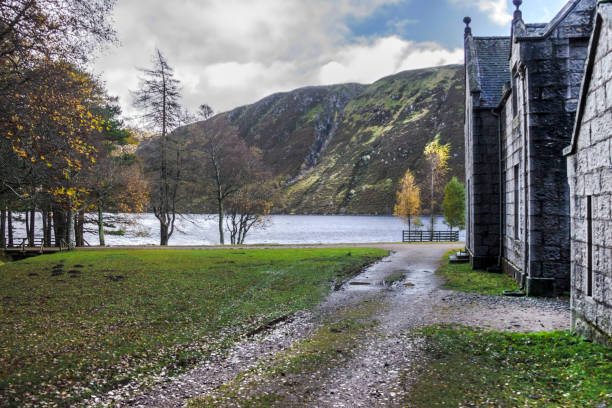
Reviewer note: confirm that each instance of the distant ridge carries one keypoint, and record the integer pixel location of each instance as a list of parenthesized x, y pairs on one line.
[(342, 148)]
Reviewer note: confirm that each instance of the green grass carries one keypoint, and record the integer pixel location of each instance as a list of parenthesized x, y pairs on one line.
[(474, 368), (106, 317), (462, 278)]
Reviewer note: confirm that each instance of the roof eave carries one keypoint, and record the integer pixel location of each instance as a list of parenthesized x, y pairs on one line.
[(586, 80)]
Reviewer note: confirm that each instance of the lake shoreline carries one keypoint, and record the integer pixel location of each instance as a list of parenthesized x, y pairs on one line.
[(202, 230)]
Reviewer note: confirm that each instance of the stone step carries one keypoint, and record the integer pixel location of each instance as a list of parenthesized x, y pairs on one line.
[(462, 255), (455, 260)]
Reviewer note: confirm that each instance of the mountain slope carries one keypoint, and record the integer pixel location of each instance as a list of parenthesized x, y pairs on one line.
[(343, 148)]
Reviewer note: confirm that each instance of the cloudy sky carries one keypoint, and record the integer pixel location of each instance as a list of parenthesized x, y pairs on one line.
[(228, 53)]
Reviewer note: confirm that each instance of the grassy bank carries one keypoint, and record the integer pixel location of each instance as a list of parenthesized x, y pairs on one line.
[(76, 324), (473, 368), (462, 278)]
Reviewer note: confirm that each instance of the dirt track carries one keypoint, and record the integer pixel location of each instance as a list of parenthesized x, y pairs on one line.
[(368, 376)]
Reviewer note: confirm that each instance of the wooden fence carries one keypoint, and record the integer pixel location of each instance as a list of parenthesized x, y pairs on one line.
[(430, 236)]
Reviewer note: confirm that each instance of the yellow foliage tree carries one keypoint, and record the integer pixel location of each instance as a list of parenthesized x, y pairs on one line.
[(408, 201), (437, 156)]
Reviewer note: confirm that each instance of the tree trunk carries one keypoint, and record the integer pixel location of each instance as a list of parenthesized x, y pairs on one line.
[(9, 223), (27, 227), (70, 228), (3, 227), (431, 204), (220, 209), (163, 234), (49, 227), (101, 226), (45, 225), (31, 230), (79, 224), (59, 227)]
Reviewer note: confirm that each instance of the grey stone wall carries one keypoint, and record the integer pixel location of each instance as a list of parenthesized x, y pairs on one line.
[(551, 70), (482, 175), (512, 157), (590, 174)]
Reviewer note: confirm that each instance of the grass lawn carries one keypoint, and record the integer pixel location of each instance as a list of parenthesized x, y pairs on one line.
[(462, 278), (76, 324), (473, 368)]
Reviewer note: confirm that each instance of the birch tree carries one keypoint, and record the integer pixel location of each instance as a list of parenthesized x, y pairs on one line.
[(437, 156), (408, 200)]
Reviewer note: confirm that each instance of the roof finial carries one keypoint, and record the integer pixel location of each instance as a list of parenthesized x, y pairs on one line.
[(467, 21), (518, 14)]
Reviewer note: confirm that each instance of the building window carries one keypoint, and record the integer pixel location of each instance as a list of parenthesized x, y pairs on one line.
[(516, 202), (515, 95), (589, 242)]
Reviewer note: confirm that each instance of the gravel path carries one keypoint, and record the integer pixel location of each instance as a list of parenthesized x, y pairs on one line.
[(371, 378)]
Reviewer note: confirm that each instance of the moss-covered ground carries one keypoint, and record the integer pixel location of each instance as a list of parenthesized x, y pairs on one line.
[(462, 278), (76, 324), (474, 368)]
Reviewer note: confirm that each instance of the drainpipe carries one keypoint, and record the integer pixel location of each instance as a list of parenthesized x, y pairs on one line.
[(499, 174), (525, 177)]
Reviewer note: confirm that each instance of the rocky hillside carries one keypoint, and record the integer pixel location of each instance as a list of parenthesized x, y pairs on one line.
[(343, 148)]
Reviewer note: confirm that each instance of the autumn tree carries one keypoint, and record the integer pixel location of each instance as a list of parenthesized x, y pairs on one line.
[(44, 102), (454, 204), (408, 200), (158, 97), (52, 131), (53, 29), (38, 34), (116, 180), (437, 156)]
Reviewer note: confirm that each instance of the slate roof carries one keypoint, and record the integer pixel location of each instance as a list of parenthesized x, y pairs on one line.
[(493, 68), (539, 31)]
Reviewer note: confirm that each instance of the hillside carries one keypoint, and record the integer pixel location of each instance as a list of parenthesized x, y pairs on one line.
[(343, 148)]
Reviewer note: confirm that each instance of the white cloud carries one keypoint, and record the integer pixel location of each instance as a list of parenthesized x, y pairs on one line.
[(231, 52), (497, 10), (370, 61)]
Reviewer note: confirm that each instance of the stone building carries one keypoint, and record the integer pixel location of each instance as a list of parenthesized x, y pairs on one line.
[(589, 166), (521, 101)]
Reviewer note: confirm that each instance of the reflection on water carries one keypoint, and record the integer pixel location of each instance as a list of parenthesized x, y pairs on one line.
[(281, 229)]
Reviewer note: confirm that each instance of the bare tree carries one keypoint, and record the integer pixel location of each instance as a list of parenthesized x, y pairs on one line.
[(205, 112), (226, 160), (249, 208), (158, 97)]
